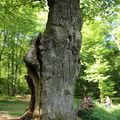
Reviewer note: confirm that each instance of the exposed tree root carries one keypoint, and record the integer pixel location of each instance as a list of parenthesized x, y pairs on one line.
[(27, 116)]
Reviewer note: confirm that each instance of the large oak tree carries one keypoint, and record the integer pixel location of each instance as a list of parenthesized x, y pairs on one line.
[(53, 63)]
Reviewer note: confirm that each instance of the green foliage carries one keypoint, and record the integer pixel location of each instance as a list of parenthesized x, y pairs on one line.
[(99, 61), (87, 115), (116, 100), (101, 113), (96, 71), (99, 9), (19, 23), (83, 87)]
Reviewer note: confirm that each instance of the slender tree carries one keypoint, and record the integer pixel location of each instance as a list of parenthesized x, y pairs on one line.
[(52, 63)]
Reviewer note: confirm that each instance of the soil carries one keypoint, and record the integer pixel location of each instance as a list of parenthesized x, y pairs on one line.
[(4, 115)]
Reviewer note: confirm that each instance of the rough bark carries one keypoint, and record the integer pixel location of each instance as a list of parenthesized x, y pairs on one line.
[(53, 62)]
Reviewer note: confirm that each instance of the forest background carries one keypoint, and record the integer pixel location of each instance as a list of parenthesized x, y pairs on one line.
[(21, 21)]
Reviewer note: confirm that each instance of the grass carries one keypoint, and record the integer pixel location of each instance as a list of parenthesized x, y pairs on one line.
[(13, 107), (101, 113), (16, 108)]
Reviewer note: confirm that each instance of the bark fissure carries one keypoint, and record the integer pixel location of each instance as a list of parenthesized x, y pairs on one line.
[(39, 52), (70, 40)]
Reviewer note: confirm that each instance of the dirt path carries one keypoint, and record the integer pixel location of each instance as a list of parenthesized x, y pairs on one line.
[(4, 115)]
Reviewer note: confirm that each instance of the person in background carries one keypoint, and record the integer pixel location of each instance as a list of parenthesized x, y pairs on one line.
[(90, 103), (108, 102), (85, 103)]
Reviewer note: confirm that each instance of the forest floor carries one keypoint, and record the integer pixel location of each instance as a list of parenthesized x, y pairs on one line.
[(4, 115), (12, 109)]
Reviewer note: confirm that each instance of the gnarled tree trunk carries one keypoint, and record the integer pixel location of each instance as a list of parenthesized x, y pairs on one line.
[(52, 63)]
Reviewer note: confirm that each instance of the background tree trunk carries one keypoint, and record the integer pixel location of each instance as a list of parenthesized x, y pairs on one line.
[(52, 62)]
